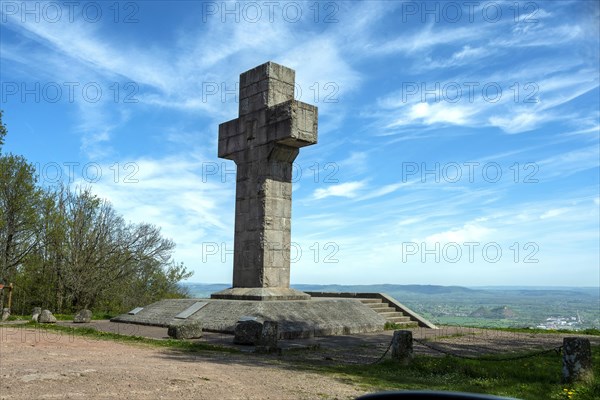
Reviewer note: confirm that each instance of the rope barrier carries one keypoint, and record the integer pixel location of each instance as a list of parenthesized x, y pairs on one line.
[(479, 358), (384, 353), (557, 350)]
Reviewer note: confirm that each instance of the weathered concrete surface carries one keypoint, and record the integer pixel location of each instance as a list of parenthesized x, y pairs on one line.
[(185, 330), (296, 319), (247, 331), (264, 141)]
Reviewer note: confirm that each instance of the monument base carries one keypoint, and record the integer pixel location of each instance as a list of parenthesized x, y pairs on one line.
[(295, 318), (260, 294)]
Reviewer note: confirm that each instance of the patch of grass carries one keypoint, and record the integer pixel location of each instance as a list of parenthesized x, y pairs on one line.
[(531, 379), (456, 335), (17, 318), (182, 345)]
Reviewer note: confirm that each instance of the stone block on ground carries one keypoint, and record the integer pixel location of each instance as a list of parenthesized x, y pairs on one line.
[(268, 337), (83, 317), (402, 347), (46, 317), (5, 314), (186, 330), (35, 315), (248, 330), (577, 360)]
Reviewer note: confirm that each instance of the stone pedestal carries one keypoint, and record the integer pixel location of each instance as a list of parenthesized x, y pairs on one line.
[(261, 294)]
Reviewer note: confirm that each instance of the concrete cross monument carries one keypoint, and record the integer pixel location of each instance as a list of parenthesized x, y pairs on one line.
[(264, 141)]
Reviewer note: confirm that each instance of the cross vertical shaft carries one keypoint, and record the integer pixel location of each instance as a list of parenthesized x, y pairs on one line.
[(264, 141)]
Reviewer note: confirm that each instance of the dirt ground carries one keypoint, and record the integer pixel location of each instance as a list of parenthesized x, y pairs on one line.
[(39, 364), (36, 364)]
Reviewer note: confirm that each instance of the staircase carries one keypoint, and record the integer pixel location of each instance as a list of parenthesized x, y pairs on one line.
[(389, 313), (389, 308)]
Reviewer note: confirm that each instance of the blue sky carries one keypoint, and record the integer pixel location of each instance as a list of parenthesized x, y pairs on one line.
[(458, 141)]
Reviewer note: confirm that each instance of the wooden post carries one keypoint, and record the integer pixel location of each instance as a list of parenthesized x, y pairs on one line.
[(402, 347), (10, 290), (577, 360)]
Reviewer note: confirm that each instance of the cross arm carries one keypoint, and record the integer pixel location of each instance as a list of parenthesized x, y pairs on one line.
[(230, 139), (292, 123)]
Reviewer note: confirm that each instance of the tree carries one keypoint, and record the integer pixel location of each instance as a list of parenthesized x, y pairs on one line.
[(101, 251), (2, 131), (19, 199)]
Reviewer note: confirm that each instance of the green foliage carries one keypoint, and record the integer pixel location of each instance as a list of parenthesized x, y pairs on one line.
[(2, 131), (19, 219), (535, 378)]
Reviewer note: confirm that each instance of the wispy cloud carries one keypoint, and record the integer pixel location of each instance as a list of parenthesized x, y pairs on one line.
[(347, 189)]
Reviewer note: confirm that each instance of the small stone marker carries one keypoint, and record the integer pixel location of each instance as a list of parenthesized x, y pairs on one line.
[(83, 317), (135, 310), (46, 317), (5, 314), (187, 330), (35, 315), (191, 310), (402, 347), (577, 360)]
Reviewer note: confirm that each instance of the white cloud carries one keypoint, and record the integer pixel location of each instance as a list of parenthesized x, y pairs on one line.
[(467, 233), (553, 213), (520, 122), (348, 189), (434, 113)]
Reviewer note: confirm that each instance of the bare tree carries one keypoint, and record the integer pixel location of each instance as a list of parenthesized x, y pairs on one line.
[(102, 250)]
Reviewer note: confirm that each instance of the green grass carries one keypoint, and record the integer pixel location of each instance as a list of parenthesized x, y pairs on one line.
[(530, 379), (182, 345)]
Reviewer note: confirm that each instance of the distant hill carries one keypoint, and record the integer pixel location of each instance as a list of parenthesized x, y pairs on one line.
[(387, 288), (503, 312)]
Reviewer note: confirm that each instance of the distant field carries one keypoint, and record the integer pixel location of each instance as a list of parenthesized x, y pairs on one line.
[(553, 308)]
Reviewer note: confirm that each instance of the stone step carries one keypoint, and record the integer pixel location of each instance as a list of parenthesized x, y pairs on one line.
[(389, 313), (379, 306), (370, 301), (400, 318)]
